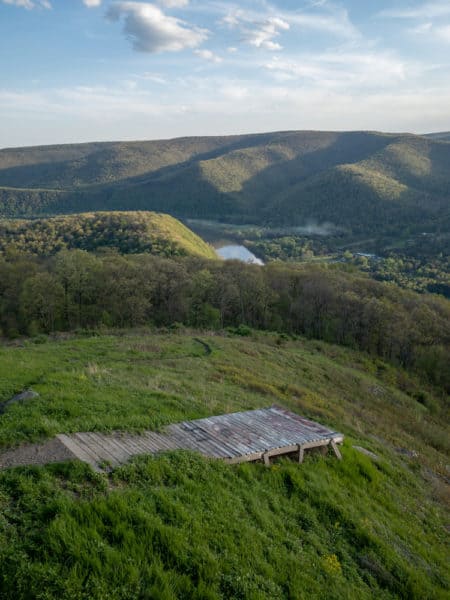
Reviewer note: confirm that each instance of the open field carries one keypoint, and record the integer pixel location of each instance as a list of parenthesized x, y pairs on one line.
[(179, 526)]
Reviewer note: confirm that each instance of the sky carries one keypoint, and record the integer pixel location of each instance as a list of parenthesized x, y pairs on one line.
[(97, 70)]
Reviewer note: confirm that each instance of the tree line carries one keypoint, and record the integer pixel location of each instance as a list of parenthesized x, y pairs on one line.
[(77, 289)]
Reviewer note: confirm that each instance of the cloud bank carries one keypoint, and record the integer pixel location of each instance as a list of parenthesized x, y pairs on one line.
[(151, 30), (29, 4)]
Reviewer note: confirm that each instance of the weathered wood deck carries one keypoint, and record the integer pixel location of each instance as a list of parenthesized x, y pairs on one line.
[(238, 437)]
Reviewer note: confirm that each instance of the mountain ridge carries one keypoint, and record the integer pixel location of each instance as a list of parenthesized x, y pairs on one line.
[(273, 178)]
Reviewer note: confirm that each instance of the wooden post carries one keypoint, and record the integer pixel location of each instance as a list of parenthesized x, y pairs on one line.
[(336, 450), (266, 459), (301, 453)]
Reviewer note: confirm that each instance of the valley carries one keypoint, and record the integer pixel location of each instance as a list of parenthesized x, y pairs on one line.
[(224, 300)]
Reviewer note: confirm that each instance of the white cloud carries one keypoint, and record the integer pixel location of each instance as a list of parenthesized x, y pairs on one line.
[(92, 3), (422, 28), (439, 33), (234, 18), (443, 33), (427, 10), (150, 30), (335, 22), (208, 55), (258, 33), (263, 33), (153, 77), (29, 4), (173, 3), (344, 70), (234, 91), (432, 19), (199, 106), (261, 30)]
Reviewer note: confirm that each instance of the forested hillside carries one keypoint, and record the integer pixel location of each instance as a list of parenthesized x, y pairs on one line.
[(128, 232), (76, 289), (444, 136), (360, 181), (177, 525)]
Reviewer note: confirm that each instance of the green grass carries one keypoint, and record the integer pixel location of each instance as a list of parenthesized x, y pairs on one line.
[(139, 381), (180, 526)]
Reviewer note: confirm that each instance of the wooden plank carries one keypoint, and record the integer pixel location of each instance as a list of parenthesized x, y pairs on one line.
[(95, 459), (221, 446), (100, 447), (113, 448), (123, 442), (235, 441), (204, 443), (77, 449), (239, 437), (132, 443), (244, 458), (246, 431), (284, 450), (336, 450), (233, 445), (258, 437), (163, 443)]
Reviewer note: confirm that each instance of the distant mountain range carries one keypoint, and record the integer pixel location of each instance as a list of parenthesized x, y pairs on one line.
[(444, 136), (364, 182)]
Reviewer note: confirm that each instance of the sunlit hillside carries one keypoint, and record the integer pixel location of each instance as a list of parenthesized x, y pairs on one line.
[(283, 178)]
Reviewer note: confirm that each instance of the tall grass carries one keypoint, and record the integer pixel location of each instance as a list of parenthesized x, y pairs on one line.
[(180, 526)]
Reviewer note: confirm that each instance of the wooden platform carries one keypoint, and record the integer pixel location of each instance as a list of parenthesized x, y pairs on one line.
[(253, 435)]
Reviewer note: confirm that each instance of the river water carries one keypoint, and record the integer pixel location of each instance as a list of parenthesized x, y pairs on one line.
[(237, 252)]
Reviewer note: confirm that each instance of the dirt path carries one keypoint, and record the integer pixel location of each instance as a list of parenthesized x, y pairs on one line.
[(207, 347)]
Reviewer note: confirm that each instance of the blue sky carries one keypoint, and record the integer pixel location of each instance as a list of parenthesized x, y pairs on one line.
[(84, 70)]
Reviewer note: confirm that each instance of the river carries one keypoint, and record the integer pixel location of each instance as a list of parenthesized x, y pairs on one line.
[(238, 252)]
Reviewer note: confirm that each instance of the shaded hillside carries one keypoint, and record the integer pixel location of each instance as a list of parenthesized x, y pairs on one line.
[(444, 136), (360, 180), (128, 232)]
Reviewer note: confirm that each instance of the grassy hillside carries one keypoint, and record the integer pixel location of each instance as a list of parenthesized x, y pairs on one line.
[(129, 232), (179, 526), (283, 178)]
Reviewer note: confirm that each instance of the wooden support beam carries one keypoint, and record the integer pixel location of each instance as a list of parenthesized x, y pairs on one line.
[(282, 450), (245, 458), (336, 450), (322, 445)]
